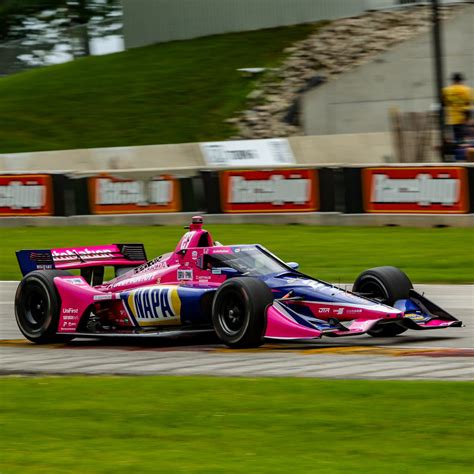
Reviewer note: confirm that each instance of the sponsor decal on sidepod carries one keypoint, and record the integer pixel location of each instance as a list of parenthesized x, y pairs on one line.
[(150, 306)]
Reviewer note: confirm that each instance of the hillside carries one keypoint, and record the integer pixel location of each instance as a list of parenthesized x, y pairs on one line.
[(167, 93)]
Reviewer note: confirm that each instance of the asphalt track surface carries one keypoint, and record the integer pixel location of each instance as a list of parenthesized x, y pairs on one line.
[(445, 354)]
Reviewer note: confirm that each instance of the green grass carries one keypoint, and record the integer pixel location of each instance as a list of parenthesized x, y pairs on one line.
[(167, 93), (221, 425), (330, 253)]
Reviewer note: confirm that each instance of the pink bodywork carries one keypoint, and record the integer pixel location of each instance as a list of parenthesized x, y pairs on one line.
[(280, 324), (77, 295), (79, 257), (436, 323)]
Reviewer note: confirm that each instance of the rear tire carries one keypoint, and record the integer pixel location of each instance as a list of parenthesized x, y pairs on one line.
[(37, 307), (238, 312), (387, 284)]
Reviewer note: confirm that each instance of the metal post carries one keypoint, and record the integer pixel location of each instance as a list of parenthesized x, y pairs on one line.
[(439, 72)]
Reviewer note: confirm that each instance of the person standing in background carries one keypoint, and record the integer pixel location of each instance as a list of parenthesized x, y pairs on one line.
[(457, 100)]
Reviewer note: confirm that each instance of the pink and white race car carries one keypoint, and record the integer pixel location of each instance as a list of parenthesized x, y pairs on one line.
[(242, 292)]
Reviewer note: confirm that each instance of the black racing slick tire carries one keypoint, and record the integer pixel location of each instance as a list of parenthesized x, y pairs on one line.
[(386, 284), (238, 312), (387, 330), (37, 307)]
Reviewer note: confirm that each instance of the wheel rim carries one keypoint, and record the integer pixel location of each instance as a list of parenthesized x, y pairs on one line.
[(35, 309), (232, 314)]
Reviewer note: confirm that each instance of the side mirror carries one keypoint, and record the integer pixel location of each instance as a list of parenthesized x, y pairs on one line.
[(227, 271), (293, 265)]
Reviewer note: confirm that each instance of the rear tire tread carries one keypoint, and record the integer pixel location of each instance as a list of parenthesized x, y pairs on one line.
[(47, 331)]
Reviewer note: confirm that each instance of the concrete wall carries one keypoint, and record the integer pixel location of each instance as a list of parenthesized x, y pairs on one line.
[(155, 21), (341, 149), (359, 101), (180, 156)]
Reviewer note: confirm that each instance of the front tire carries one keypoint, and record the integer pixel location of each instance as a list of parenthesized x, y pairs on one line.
[(386, 284), (387, 330), (238, 312), (37, 307)]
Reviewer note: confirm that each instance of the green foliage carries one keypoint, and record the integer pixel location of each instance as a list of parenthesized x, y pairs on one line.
[(12, 12), (330, 253), (222, 425), (167, 93)]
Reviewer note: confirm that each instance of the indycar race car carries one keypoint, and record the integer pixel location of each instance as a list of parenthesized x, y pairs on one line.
[(242, 292)]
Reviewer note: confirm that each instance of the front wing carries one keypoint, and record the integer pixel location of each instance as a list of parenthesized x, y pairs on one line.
[(284, 322)]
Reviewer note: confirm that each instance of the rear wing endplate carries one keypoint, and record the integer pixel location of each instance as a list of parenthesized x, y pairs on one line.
[(117, 255)]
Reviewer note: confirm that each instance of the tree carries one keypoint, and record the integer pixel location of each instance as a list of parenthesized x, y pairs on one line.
[(80, 13), (19, 20), (13, 12)]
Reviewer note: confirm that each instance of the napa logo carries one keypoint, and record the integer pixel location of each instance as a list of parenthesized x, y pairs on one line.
[(153, 305)]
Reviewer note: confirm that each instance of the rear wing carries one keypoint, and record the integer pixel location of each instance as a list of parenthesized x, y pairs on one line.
[(116, 255)]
